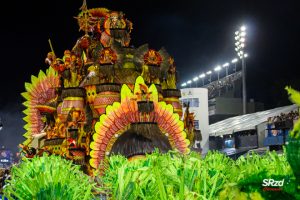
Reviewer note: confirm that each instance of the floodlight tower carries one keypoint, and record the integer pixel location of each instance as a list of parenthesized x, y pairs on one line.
[(240, 38)]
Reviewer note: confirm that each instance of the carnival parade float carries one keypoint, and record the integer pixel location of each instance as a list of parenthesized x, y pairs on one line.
[(104, 121), (104, 97)]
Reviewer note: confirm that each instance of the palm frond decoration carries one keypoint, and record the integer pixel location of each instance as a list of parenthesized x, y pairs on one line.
[(40, 95)]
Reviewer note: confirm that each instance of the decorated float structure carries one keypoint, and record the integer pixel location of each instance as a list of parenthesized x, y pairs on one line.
[(105, 97)]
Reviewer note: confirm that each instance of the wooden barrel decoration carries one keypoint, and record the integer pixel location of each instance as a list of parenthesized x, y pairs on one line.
[(72, 98), (107, 94), (171, 96)]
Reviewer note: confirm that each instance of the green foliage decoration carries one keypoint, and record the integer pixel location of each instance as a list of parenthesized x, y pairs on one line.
[(48, 178), (173, 176)]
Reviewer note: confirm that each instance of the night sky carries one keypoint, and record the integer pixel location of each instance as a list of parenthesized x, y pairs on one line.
[(199, 34)]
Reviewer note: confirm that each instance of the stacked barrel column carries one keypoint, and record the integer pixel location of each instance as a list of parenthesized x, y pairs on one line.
[(73, 111), (160, 92), (107, 94), (171, 96)]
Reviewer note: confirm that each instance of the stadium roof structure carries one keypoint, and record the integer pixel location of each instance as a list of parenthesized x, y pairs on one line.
[(247, 122)]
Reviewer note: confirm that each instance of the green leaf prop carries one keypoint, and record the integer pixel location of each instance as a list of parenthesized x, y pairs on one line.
[(48, 178), (174, 176)]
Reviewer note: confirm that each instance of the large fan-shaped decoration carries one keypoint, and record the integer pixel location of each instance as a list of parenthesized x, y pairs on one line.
[(119, 117), (39, 95)]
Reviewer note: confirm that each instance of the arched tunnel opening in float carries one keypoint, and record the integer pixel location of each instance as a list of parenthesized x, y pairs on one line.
[(141, 139)]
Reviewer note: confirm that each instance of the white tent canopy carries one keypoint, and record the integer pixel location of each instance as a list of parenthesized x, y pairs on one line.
[(246, 122)]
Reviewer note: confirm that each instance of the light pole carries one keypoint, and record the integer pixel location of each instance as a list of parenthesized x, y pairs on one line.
[(195, 80), (209, 73), (189, 82), (226, 65), (202, 76), (240, 36), (217, 69), (234, 61)]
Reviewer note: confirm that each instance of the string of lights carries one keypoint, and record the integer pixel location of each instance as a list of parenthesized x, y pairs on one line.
[(217, 69)]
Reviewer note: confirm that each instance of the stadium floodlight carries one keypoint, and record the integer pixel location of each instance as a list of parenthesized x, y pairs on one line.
[(189, 82), (202, 75), (234, 60), (217, 68), (209, 73), (195, 80), (183, 84), (237, 32), (225, 64), (243, 28), (243, 34), (245, 55)]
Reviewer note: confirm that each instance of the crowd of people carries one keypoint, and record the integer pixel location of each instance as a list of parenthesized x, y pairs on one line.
[(221, 86), (292, 116), (4, 175), (280, 124)]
